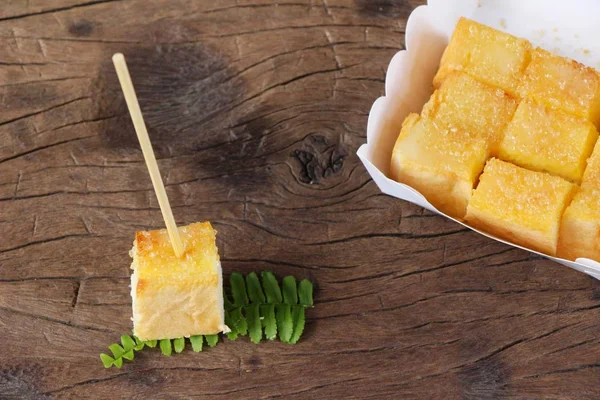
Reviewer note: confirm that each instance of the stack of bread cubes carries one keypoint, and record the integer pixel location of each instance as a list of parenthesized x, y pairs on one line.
[(507, 142)]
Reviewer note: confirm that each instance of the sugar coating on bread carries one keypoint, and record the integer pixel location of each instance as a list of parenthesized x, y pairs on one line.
[(591, 175), (580, 227), (563, 84), (464, 104), (547, 140), (177, 297), (498, 97), (441, 163), (493, 57), (520, 205)]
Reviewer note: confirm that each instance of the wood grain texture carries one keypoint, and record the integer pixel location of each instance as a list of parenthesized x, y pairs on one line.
[(255, 109)]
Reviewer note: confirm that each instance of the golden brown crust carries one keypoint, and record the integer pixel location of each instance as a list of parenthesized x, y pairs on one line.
[(491, 56), (519, 205), (580, 227), (515, 235), (562, 83), (156, 240), (579, 240)]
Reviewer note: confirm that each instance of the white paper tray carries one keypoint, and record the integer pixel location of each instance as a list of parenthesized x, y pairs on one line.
[(568, 28)]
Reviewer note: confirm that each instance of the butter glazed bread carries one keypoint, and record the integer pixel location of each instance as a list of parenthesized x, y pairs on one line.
[(442, 152), (562, 84), (177, 297), (580, 226), (492, 57), (548, 140), (520, 205), (440, 163), (531, 118)]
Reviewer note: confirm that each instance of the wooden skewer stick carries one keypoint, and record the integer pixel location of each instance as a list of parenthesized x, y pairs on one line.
[(142, 134)]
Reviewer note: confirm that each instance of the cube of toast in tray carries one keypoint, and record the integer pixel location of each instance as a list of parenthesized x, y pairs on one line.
[(580, 226), (493, 57), (441, 164), (177, 297), (547, 140), (465, 104), (519, 205), (563, 84), (591, 175)]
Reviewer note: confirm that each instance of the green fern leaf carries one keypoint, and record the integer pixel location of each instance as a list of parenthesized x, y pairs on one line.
[(128, 355), (165, 347), (151, 343), (271, 287), (233, 333), (128, 342), (305, 292), (179, 344), (118, 362), (290, 294), (239, 321), (254, 324), (267, 312), (238, 289), (285, 323), (107, 360), (196, 342), (255, 291), (212, 340), (139, 344), (116, 350), (298, 317), (227, 304)]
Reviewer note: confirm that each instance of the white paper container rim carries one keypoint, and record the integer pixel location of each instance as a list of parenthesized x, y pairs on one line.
[(566, 28)]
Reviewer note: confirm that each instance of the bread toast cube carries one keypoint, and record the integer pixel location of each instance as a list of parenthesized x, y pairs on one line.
[(491, 56), (442, 164), (465, 104), (177, 297), (591, 175), (563, 84), (580, 226), (548, 140), (519, 205)]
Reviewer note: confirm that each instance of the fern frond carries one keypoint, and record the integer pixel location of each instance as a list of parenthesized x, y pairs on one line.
[(254, 323), (305, 292), (285, 323), (290, 291), (139, 344), (165, 347), (196, 342), (107, 360), (212, 340), (238, 289), (255, 292), (128, 342), (271, 286), (179, 344), (258, 307), (298, 316), (267, 313)]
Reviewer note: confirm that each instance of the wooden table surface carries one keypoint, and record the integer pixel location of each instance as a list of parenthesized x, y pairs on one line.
[(256, 109)]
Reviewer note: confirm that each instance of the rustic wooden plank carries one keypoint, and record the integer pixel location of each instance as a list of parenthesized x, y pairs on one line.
[(256, 110)]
